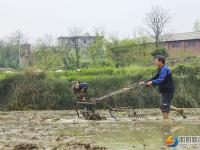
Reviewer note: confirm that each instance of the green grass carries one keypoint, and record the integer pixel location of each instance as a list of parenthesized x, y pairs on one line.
[(103, 73), (4, 75)]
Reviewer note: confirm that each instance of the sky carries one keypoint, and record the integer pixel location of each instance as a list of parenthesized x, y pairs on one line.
[(35, 18)]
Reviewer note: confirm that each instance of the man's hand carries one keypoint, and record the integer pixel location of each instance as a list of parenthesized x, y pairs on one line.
[(149, 83)]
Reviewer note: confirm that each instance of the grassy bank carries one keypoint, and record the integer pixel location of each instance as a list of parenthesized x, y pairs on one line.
[(51, 90)]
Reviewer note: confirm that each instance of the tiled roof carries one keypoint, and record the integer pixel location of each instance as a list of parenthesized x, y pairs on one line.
[(183, 36)]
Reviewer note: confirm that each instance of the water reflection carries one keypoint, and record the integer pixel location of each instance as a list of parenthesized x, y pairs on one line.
[(167, 130)]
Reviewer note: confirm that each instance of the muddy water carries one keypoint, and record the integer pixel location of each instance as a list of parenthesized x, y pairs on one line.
[(63, 130)]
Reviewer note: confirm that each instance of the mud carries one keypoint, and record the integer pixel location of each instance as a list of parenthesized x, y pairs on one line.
[(62, 130)]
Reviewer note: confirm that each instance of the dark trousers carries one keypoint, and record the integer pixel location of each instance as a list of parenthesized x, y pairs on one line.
[(166, 99)]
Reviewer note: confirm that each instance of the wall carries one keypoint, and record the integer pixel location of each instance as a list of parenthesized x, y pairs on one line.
[(183, 48)]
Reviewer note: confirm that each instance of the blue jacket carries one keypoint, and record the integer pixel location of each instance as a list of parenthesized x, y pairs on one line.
[(164, 80), (84, 85)]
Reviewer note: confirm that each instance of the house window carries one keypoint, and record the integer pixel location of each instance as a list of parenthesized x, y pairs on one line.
[(84, 41), (175, 44), (191, 43)]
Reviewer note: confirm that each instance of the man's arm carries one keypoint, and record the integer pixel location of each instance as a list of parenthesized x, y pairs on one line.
[(160, 78), (153, 78)]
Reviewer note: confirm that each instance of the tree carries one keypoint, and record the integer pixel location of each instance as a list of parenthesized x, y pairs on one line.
[(112, 42), (114, 39), (96, 48), (157, 21), (75, 32), (159, 51), (67, 57), (11, 51), (18, 38), (44, 45), (141, 37), (3, 57), (196, 27)]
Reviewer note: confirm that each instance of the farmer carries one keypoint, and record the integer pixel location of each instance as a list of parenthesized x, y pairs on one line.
[(80, 89), (164, 79)]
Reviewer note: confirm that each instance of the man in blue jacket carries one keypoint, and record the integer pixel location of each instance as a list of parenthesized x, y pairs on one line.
[(164, 80)]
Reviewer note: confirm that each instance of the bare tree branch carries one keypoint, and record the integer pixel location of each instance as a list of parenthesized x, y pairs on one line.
[(157, 21)]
